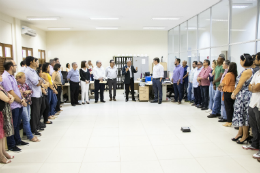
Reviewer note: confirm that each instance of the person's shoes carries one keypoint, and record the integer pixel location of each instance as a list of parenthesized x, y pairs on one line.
[(103, 101), (73, 105), (179, 103), (22, 143), (209, 111), (126, 100), (249, 147), (227, 124), (40, 129), (222, 120), (114, 99), (15, 149), (174, 101), (83, 103), (37, 133), (110, 99), (194, 104), (199, 106), (133, 100), (256, 155), (154, 101), (242, 142), (78, 104), (96, 101), (212, 116), (237, 128), (160, 102), (203, 109)]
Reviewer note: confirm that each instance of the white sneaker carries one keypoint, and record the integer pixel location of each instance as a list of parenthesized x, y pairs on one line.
[(256, 155), (249, 147), (209, 110)]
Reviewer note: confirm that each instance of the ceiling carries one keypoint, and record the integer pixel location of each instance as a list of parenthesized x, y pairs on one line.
[(132, 14)]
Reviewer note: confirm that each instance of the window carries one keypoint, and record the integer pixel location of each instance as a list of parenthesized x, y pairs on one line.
[(41, 56), (204, 54), (27, 52), (6, 53)]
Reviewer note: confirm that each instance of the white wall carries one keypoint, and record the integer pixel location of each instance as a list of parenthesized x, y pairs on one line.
[(76, 46)]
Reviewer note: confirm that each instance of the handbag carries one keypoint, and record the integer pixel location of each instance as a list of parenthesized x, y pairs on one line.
[(2, 105)]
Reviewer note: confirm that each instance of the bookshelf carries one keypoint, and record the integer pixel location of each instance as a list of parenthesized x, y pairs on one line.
[(120, 62)]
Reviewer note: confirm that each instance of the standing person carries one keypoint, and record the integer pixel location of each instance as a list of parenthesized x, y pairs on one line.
[(22, 64), (90, 68), (196, 86), (56, 78), (177, 80), (227, 85), (211, 89), (52, 63), (223, 117), (190, 90), (254, 110), (217, 77), (242, 96), (203, 79), (57, 61), (185, 79), (158, 74), (99, 76), (73, 78), (84, 81), (10, 85), (68, 67), (254, 66), (34, 82), (26, 91), (128, 71), (111, 74)]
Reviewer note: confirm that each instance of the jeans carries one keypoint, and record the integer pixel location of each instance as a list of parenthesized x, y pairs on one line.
[(211, 96), (178, 91), (217, 103), (204, 96), (52, 101), (185, 89), (197, 95), (15, 139), (157, 88), (190, 92), (223, 109), (26, 122)]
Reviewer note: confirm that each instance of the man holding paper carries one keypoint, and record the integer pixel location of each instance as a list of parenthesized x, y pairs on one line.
[(129, 71), (99, 76)]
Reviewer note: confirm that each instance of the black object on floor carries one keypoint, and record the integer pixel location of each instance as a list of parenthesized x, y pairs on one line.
[(185, 129)]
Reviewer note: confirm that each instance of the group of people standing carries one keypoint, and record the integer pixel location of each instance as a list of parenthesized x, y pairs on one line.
[(26, 98), (222, 92)]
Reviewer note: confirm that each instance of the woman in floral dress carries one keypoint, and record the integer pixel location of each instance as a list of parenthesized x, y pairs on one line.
[(242, 96)]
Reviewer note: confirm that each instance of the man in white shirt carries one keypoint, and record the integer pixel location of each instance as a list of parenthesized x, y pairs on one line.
[(23, 66), (99, 76), (190, 90), (111, 74), (196, 85), (254, 110), (52, 63), (158, 74)]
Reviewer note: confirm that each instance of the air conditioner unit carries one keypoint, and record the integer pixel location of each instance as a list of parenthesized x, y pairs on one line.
[(28, 31)]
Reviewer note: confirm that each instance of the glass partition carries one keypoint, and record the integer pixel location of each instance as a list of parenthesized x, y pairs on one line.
[(204, 54), (176, 39), (170, 41), (183, 37), (192, 33), (204, 29)]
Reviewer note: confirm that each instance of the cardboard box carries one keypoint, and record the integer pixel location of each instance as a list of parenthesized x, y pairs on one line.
[(143, 93)]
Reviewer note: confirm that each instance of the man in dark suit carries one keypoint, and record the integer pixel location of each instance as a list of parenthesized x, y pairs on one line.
[(129, 71)]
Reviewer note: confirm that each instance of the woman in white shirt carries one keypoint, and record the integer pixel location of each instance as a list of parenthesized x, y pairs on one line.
[(67, 67)]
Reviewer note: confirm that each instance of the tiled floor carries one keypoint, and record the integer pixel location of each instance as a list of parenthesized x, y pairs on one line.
[(133, 137)]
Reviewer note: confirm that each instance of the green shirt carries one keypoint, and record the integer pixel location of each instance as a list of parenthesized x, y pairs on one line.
[(218, 70)]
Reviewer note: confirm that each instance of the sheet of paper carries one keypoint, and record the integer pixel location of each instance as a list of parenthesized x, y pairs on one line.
[(7, 52), (143, 61)]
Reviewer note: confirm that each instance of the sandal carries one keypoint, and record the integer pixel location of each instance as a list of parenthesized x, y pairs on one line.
[(48, 122), (35, 139), (50, 117)]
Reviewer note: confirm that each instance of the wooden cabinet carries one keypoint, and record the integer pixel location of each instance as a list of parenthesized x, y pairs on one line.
[(143, 93)]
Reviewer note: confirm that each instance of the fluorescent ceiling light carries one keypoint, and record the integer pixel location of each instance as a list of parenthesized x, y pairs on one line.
[(59, 28), (153, 27), (166, 18), (103, 18), (241, 5), (42, 18), (111, 28), (218, 20)]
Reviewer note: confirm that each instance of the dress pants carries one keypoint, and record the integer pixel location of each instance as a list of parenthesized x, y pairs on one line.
[(57, 109), (204, 96), (84, 91), (26, 122), (197, 95), (127, 89), (254, 121), (15, 139), (217, 103), (99, 86), (45, 108), (74, 92), (178, 92), (157, 88), (112, 82), (35, 113), (211, 96), (229, 106)]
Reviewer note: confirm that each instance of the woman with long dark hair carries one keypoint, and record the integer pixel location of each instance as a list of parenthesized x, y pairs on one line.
[(242, 96), (228, 86)]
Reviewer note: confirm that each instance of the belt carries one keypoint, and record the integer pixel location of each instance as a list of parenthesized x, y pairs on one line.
[(156, 78), (74, 82), (112, 79)]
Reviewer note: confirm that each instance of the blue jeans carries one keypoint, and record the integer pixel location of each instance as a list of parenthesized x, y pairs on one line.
[(211, 95), (217, 103), (223, 109), (26, 122), (185, 90), (178, 91), (157, 87), (52, 98), (15, 139), (190, 93)]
